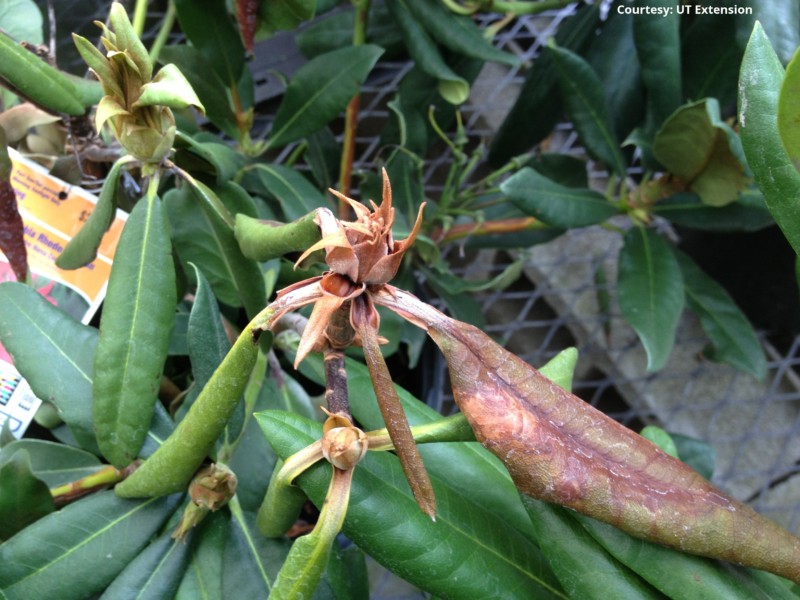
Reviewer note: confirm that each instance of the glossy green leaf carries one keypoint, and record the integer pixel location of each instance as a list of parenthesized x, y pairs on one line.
[(780, 20), (555, 204), (295, 194), (426, 55), (336, 31), (22, 20), (703, 151), (222, 160), (24, 498), (201, 237), (208, 342), (661, 439), (612, 56), (203, 576), (251, 561), (713, 37), (561, 368), (50, 558), (686, 209), (583, 95), (735, 342), (320, 90), (53, 352), (135, 327), (539, 105), (467, 552), (82, 248), (650, 292), (53, 463), (457, 33), (210, 87), (673, 573), (759, 87), (211, 30), (283, 15), (154, 574), (789, 110), (657, 40), (583, 567)]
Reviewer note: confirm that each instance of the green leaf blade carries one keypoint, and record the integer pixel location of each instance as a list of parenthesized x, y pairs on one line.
[(760, 80), (583, 94), (735, 342), (135, 328), (49, 558), (789, 110), (650, 292), (320, 90), (555, 204), (24, 498)]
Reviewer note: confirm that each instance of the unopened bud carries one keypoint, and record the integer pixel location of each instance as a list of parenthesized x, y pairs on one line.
[(344, 447), (212, 487)]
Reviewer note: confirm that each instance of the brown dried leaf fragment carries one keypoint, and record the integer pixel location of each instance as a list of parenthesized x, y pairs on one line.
[(560, 449)]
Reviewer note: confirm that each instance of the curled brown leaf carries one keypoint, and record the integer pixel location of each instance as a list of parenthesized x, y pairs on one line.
[(560, 449)]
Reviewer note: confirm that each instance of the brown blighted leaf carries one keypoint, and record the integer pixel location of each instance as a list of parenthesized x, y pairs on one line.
[(560, 449), (12, 236)]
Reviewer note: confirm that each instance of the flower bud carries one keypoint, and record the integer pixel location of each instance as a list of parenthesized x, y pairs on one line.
[(344, 447), (212, 487)]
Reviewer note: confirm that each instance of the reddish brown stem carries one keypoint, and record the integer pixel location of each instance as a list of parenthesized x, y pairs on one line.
[(336, 384)]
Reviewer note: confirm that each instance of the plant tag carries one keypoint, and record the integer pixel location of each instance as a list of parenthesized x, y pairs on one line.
[(18, 405), (52, 212)]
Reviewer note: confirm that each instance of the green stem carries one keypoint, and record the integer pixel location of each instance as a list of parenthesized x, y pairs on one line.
[(102, 478), (523, 7), (163, 32), (454, 428), (351, 114), (139, 15)]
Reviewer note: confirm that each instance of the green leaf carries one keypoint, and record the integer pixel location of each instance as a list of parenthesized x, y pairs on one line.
[(283, 15), (24, 498), (468, 552), (555, 204), (735, 342), (686, 209), (320, 90), (661, 439), (53, 463), (458, 33), (22, 20), (210, 88), (780, 19), (673, 573), (714, 38), (203, 576), (296, 195), (201, 237), (612, 56), (169, 88), (138, 316), (336, 31), (223, 160), (208, 342), (539, 104), (789, 110), (650, 292), (53, 352), (77, 551), (759, 87), (426, 55), (82, 249), (251, 561), (211, 30), (697, 454), (703, 151), (561, 368), (657, 40), (583, 94), (154, 574), (583, 567)]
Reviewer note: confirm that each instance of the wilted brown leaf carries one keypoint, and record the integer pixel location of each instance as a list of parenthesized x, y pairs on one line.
[(560, 449)]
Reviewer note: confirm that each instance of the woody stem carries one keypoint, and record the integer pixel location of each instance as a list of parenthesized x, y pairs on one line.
[(336, 383)]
